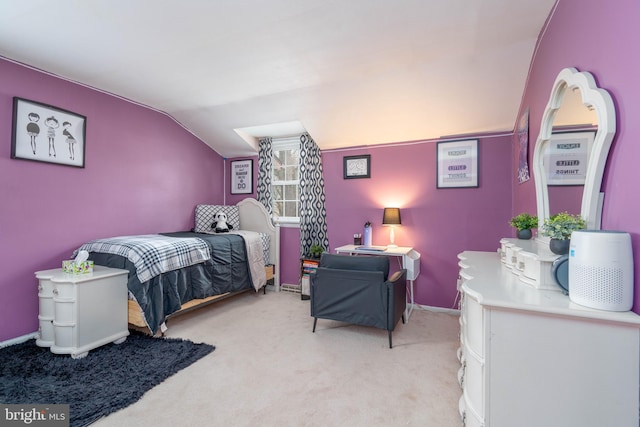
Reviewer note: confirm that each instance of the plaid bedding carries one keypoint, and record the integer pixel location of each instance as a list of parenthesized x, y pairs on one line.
[(152, 254)]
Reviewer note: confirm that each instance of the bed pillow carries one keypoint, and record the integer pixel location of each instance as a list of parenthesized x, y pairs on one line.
[(205, 217)]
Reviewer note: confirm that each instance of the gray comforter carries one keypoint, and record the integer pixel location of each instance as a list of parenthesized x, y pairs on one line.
[(226, 271)]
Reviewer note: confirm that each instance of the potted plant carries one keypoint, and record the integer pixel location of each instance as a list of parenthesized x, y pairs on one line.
[(316, 251), (559, 228), (524, 222)]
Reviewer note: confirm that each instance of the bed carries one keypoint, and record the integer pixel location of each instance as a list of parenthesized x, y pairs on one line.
[(171, 273)]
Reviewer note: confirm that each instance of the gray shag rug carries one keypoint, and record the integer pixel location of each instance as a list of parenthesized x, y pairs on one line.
[(108, 379)]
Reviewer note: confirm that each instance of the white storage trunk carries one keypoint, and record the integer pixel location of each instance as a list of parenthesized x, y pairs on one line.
[(79, 312), (46, 313)]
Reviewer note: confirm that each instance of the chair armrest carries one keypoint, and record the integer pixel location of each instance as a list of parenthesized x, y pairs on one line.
[(398, 275), (397, 286)]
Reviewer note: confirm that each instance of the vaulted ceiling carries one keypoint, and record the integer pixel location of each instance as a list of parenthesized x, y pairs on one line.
[(350, 72)]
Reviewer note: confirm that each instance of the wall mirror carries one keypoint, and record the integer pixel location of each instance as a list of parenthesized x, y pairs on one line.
[(574, 125), (575, 102)]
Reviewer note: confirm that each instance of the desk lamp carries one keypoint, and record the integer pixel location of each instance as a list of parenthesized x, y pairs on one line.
[(391, 217)]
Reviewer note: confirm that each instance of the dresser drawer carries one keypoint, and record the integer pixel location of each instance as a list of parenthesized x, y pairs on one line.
[(473, 324), (473, 382), (469, 419)]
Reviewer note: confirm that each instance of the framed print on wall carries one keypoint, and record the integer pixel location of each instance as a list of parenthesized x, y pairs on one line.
[(457, 164), (523, 147), (566, 157), (242, 176), (357, 166), (44, 133)]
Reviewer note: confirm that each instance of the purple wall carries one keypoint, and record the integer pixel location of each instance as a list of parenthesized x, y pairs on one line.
[(143, 174), (438, 223), (290, 255), (599, 37)]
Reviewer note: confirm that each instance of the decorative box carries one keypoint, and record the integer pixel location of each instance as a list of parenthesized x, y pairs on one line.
[(71, 267)]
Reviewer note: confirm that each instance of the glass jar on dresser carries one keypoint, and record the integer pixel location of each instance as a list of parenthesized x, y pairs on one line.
[(531, 357)]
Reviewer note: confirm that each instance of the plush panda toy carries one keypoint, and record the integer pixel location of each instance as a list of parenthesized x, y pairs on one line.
[(220, 224)]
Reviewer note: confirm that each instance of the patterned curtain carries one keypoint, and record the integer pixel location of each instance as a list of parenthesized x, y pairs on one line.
[(265, 152), (313, 214)]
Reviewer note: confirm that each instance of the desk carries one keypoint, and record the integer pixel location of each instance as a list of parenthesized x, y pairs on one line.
[(410, 262)]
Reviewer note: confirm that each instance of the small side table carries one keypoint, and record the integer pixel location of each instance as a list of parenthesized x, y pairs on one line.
[(307, 266), (80, 312)]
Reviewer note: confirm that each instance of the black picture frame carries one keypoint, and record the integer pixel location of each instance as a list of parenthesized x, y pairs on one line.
[(355, 167), (44, 133), (242, 176), (457, 164)]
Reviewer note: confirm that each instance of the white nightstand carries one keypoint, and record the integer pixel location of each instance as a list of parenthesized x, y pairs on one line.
[(79, 312)]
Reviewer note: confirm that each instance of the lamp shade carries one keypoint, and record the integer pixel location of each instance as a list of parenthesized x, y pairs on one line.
[(391, 216)]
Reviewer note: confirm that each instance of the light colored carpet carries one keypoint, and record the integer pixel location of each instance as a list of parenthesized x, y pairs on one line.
[(269, 369)]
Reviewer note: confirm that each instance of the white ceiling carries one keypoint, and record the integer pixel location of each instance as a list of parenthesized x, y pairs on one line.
[(350, 72)]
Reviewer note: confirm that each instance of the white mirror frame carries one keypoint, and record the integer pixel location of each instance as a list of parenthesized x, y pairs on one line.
[(593, 98)]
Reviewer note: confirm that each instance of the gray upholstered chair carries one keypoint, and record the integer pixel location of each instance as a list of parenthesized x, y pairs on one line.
[(357, 289)]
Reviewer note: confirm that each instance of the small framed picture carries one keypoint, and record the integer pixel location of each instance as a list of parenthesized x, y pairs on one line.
[(457, 164), (242, 176), (523, 147), (357, 166), (566, 157), (43, 133)]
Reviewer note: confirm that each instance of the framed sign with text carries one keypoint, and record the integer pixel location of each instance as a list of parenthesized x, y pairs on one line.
[(242, 177), (566, 157), (457, 164)]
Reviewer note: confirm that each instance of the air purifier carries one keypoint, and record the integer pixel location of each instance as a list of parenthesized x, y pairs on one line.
[(601, 269)]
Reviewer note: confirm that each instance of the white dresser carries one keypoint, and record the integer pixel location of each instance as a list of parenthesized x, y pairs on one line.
[(531, 357), (79, 312)]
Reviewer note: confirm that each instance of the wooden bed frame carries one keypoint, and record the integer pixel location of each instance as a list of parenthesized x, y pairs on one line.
[(253, 217)]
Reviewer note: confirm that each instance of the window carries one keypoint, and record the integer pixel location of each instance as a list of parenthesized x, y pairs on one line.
[(285, 178)]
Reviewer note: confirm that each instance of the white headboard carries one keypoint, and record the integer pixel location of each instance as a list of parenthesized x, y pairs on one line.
[(254, 217)]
